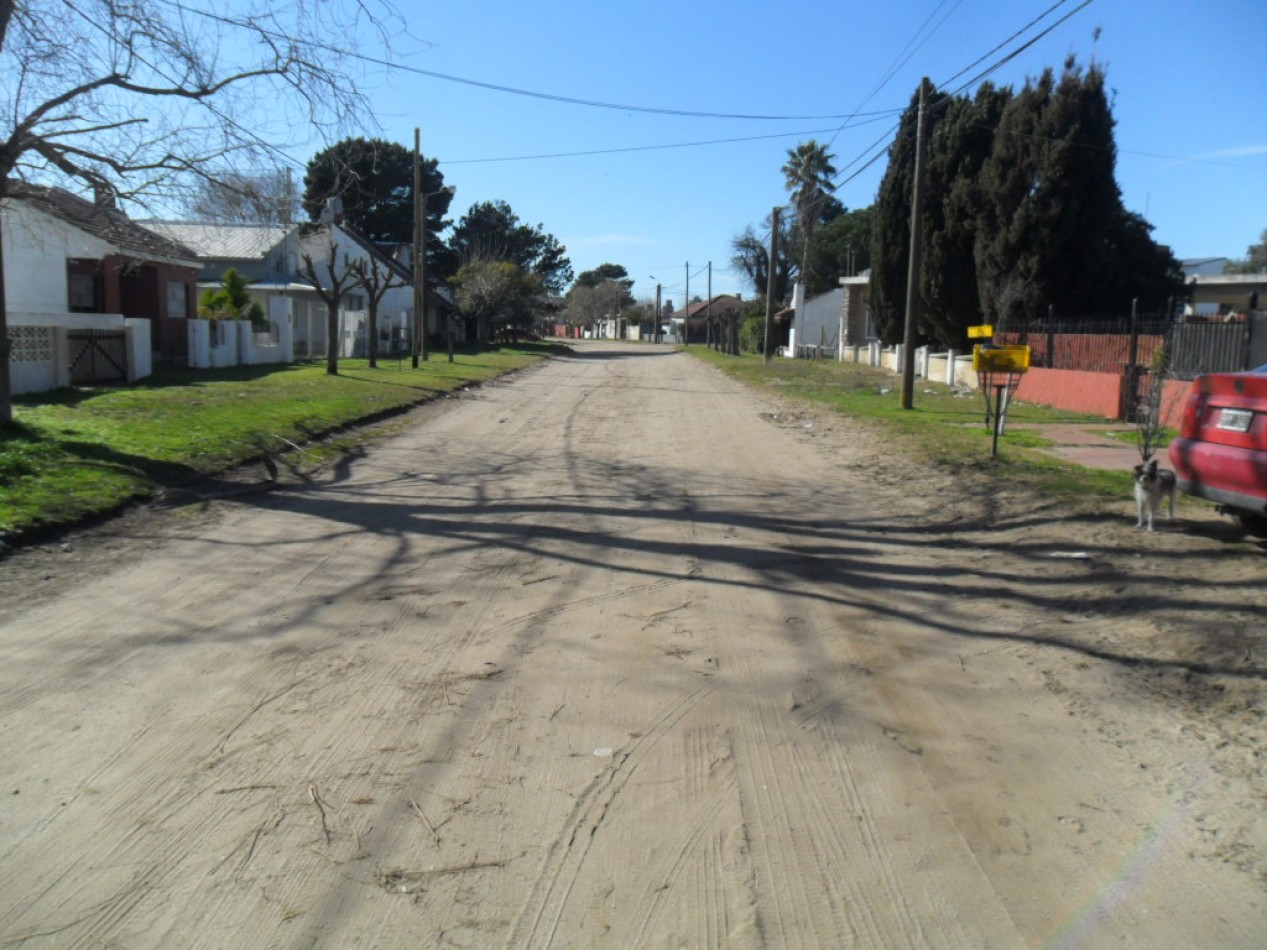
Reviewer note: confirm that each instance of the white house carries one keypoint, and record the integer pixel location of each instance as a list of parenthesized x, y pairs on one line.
[(89, 292), (266, 255), (395, 309)]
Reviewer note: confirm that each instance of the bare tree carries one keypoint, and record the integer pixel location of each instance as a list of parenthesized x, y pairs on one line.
[(1155, 404), (330, 287), (587, 305), (246, 198), (128, 98), (1010, 296), (375, 281)]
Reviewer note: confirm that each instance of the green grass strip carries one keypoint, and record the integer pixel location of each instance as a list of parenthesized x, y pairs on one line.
[(944, 427), (74, 453)]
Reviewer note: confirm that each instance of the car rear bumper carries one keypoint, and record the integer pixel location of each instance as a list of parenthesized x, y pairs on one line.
[(1230, 499), (1229, 475)]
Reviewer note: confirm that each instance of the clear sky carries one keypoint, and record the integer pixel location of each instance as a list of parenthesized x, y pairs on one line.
[(1189, 85)]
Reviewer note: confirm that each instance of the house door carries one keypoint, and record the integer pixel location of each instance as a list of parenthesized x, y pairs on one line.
[(97, 356)]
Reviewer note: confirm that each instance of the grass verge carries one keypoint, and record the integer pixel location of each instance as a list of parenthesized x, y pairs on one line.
[(75, 453), (944, 427)]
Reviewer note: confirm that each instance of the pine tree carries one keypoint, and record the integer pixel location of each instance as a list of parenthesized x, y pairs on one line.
[(230, 301), (1022, 213)]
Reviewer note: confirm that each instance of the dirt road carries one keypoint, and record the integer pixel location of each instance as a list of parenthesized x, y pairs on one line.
[(618, 654)]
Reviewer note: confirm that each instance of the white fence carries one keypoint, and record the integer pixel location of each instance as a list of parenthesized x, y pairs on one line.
[(237, 342), (40, 356), (951, 367)]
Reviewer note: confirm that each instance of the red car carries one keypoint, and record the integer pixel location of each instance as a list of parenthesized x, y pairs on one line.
[(1221, 452)]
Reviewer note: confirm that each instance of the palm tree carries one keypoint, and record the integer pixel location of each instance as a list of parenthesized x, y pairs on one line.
[(808, 175)]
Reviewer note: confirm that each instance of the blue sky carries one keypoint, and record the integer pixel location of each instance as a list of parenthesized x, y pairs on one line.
[(1190, 99)]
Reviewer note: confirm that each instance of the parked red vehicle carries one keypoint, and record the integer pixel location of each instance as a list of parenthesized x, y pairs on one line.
[(1221, 452)]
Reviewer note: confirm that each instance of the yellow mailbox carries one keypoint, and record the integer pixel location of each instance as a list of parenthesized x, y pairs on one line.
[(1012, 358)]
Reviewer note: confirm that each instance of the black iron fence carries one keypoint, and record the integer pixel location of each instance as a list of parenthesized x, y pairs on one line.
[(1118, 345)]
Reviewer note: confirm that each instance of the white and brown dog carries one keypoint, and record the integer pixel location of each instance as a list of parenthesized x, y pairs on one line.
[(1151, 485)]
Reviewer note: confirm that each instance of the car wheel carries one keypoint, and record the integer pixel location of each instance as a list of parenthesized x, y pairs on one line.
[(1254, 524)]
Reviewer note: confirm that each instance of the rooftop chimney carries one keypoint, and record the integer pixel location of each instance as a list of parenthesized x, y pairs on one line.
[(103, 196)]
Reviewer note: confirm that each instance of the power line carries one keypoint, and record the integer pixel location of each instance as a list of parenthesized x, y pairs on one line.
[(914, 48), (497, 87), (1020, 49), (996, 65), (670, 145)]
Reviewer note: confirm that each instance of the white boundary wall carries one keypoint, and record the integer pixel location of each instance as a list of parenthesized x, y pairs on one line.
[(40, 359)]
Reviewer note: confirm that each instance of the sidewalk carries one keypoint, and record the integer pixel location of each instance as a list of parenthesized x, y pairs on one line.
[(1093, 445)]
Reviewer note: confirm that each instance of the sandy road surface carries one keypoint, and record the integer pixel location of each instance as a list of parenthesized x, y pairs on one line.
[(617, 654)]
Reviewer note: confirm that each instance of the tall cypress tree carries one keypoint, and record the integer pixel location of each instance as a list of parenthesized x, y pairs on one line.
[(1022, 212), (1050, 199), (958, 149), (891, 223)]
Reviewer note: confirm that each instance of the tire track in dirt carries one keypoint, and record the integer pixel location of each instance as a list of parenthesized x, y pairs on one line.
[(700, 852), (403, 737), (830, 875), (513, 639), (538, 920)]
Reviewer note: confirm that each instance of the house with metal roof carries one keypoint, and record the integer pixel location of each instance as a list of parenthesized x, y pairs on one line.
[(72, 264), (259, 252), (268, 256)]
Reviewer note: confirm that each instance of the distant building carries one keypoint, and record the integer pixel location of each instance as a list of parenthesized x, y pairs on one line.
[(1204, 266)]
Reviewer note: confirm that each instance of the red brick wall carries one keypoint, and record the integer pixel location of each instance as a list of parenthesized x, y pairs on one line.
[(1102, 352), (1073, 389), (1173, 399), (1099, 393)]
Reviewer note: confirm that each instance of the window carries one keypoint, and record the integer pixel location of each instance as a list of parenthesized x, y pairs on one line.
[(83, 293), (176, 298)]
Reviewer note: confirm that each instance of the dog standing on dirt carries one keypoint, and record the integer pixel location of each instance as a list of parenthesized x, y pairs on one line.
[(1151, 485)]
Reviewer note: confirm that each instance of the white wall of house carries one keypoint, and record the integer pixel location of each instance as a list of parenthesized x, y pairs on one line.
[(36, 247), (816, 324), (395, 308)]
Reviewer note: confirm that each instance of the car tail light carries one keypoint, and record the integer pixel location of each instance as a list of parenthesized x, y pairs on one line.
[(1190, 427)]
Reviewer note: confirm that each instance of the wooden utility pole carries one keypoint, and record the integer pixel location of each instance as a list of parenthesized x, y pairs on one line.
[(686, 309), (420, 260), (655, 325), (769, 282), (708, 307), (913, 272)]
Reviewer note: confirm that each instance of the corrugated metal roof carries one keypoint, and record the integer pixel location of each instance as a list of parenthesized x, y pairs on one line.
[(236, 242)]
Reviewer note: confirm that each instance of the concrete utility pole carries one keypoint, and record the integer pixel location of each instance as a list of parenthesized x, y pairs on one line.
[(420, 260), (912, 274), (769, 282)]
